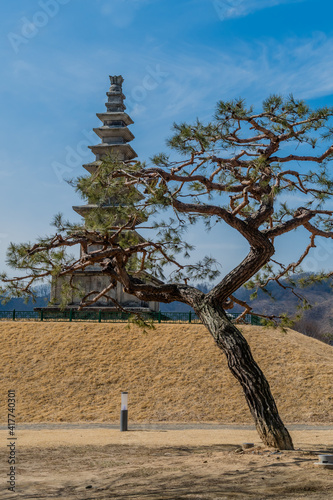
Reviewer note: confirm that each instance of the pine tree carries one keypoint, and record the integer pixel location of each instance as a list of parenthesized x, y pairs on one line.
[(234, 171)]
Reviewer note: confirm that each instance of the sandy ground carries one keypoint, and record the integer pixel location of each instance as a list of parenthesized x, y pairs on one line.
[(149, 464)]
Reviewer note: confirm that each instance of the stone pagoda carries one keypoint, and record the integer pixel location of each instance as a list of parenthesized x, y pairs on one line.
[(115, 137)]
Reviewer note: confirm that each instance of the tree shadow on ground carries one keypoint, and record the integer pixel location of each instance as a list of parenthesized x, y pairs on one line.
[(216, 472)]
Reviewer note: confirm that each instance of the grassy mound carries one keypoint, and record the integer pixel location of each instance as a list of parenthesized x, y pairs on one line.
[(74, 372)]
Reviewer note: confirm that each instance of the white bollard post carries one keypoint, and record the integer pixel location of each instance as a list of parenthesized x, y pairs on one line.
[(124, 412)]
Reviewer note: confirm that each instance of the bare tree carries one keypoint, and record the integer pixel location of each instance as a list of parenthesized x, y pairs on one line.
[(235, 171)]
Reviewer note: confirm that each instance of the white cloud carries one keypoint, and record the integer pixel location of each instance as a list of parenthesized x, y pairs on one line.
[(191, 84), (227, 9), (299, 66), (122, 12), (314, 72), (195, 83), (21, 68), (5, 173)]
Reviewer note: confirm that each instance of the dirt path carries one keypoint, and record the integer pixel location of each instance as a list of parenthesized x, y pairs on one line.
[(165, 464)]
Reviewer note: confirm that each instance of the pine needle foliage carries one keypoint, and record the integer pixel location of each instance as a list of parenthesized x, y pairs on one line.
[(244, 170)]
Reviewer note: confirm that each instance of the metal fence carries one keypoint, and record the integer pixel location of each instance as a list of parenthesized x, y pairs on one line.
[(113, 316)]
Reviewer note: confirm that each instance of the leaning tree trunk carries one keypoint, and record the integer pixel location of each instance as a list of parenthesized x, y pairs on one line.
[(242, 365)]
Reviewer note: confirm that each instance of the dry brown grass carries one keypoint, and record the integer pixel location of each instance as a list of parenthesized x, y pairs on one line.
[(75, 372)]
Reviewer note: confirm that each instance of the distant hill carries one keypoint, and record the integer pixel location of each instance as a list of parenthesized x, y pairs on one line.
[(19, 305), (175, 307), (317, 322), (284, 300)]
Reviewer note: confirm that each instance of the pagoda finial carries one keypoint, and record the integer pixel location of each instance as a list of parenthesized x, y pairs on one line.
[(116, 83)]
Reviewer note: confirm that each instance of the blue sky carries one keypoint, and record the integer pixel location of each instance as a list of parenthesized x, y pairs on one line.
[(177, 57)]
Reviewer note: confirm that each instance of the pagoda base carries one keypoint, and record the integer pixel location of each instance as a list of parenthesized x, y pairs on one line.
[(93, 279)]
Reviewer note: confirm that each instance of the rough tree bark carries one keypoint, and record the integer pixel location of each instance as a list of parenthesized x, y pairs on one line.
[(244, 368), (240, 360)]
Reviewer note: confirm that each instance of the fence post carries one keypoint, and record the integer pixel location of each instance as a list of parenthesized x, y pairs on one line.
[(190, 317), (13, 314), (99, 316), (159, 316), (70, 314), (41, 314)]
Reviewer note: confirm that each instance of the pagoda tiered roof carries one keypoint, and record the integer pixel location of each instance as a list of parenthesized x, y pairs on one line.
[(114, 134), (118, 150), (115, 138), (114, 131), (114, 116), (92, 166)]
